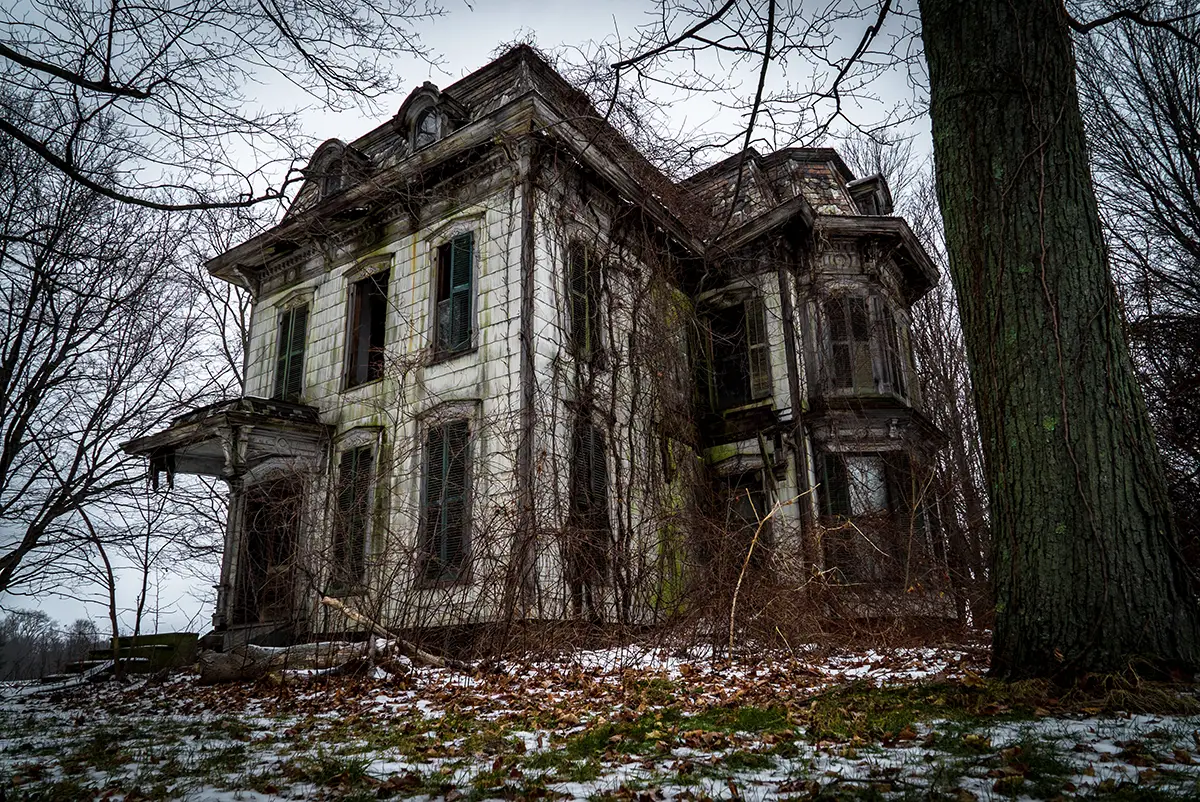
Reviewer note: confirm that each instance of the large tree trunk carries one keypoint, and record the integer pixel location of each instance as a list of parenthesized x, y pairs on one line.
[(1087, 570)]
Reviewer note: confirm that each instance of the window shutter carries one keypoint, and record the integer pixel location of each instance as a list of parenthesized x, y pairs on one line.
[(835, 486), (289, 362), (354, 495), (446, 453), (758, 348), (461, 248)]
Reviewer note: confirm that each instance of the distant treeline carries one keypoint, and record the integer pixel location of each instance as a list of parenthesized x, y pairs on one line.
[(32, 644)]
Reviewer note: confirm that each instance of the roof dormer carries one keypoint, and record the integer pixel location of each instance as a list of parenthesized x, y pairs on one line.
[(427, 115), (335, 166), (871, 195)]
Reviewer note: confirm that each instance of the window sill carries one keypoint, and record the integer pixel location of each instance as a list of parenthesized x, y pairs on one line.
[(355, 387), (441, 357)]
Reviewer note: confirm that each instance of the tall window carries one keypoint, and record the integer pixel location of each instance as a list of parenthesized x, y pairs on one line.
[(850, 344), (866, 352), (368, 322), (740, 354), (444, 535), (893, 356), (853, 484), (289, 350), (453, 311), (587, 519), (583, 276), (353, 515)]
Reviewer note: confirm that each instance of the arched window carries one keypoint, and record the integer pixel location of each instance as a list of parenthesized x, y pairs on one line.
[(333, 177), (428, 128)]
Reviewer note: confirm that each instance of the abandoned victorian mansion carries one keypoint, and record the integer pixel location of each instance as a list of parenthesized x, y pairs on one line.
[(502, 368)]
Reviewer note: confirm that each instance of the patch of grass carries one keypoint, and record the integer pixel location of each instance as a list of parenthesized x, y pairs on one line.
[(329, 770)]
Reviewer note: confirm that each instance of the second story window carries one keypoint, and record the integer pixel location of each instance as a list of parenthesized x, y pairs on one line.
[(368, 324), (866, 352), (849, 344), (353, 516), (444, 506), (453, 311), (289, 354), (583, 277), (740, 354)]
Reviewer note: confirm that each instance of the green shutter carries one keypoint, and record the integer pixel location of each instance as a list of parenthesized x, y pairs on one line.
[(758, 349), (582, 303), (835, 485), (354, 497), (461, 251), (444, 519), (289, 362)]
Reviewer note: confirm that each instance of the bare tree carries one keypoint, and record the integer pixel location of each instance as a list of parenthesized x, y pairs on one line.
[(97, 340), (174, 76), (1140, 88)]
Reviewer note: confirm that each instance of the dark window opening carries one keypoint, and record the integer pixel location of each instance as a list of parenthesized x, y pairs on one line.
[(266, 572), (368, 324), (354, 515), (445, 501), (289, 360), (740, 358), (583, 276), (333, 178), (453, 311), (587, 519)]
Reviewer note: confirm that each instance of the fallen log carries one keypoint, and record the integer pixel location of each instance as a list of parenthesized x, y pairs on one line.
[(247, 662), (410, 650)]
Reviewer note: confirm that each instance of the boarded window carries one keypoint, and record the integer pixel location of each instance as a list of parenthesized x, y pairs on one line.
[(583, 275), (368, 324), (444, 534), (453, 311), (740, 355), (849, 344), (289, 359), (353, 515)]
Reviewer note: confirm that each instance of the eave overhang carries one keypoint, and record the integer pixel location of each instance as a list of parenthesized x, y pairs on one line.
[(919, 272), (229, 438)]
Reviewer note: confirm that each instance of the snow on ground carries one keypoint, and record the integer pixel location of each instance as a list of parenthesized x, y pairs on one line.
[(631, 722)]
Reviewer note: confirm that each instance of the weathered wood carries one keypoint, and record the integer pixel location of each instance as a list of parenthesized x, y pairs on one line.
[(247, 662), (410, 650)]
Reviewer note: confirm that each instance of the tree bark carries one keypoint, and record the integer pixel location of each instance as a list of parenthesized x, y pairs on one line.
[(1086, 565)]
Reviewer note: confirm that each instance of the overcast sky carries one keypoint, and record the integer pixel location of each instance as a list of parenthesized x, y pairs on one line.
[(465, 39)]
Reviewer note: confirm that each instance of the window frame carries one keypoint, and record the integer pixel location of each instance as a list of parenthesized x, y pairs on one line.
[(871, 331), (373, 361), (754, 340), (584, 274), (434, 569), (290, 355), (446, 290), (348, 549)]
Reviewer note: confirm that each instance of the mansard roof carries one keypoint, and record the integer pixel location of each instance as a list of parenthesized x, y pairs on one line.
[(520, 94)]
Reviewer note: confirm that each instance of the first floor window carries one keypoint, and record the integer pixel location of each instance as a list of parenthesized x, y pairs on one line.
[(587, 519), (289, 353), (856, 484), (453, 310), (353, 514), (368, 324), (445, 501)]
